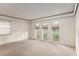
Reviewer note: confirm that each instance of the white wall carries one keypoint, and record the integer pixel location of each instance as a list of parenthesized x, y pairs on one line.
[(77, 30), (67, 34), (19, 30)]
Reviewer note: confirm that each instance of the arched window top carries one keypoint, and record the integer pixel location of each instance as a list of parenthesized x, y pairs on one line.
[(55, 27), (37, 26), (56, 22), (44, 26)]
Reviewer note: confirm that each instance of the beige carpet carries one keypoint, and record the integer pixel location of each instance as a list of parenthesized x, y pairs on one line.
[(36, 48)]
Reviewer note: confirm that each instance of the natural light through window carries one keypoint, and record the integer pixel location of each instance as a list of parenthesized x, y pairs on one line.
[(4, 27)]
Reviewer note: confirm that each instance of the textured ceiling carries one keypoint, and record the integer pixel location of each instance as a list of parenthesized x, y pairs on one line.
[(35, 10)]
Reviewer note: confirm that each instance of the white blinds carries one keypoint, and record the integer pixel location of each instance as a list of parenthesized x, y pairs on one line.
[(4, 27)]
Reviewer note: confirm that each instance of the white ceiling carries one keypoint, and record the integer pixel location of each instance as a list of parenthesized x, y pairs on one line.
[(35, 10)]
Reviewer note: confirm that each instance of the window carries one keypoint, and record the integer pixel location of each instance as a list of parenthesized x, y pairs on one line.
[(44, 31), (55, 34), (4, 27), (55, 31), (37, 33)]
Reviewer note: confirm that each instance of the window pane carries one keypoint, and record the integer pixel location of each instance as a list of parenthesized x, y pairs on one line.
[(45, 31), (37, 36), (55, 33), (45, 34)]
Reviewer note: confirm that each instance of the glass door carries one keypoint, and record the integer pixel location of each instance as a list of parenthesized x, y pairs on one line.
[(44, 32), (55, 33)]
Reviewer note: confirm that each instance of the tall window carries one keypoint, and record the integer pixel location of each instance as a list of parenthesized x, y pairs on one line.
[(4, 27), (37, 33), (55, 33), (44, 31)]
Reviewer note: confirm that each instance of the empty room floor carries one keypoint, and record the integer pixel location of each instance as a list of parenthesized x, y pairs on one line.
[(36, 48)]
